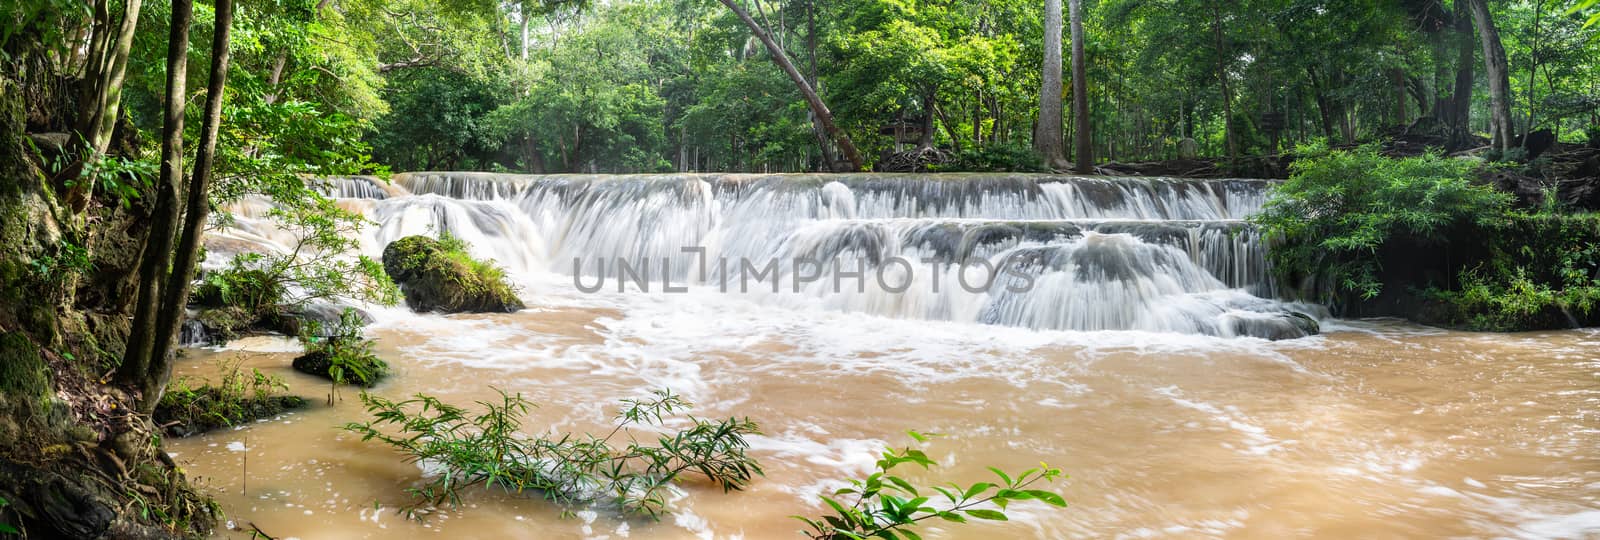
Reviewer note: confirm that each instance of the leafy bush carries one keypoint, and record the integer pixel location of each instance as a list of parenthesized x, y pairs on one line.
[(887, 506), (1543, 271), (341, 353), (487, 449), (314, 268), (1338, 207), (188, 408), (994, 158)]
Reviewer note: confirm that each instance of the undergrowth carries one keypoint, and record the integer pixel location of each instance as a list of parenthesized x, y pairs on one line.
[(189, 406), (341, 352), (487, 448)]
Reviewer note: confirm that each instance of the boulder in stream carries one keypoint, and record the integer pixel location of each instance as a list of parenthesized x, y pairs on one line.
[(441, 276)]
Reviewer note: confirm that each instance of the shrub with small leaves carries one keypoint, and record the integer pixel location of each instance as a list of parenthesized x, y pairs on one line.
[(488, 449), (885, 505)]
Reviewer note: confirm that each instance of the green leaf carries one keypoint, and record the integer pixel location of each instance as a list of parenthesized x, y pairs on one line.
[(1047, 496), (993, 515), (976, 490)]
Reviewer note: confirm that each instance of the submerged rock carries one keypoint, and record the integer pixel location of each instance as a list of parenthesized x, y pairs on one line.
[(434, 278), (1276, 326)]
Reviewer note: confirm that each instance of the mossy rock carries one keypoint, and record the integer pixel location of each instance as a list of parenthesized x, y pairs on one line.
[(434, 278), (203, 412), (369, 371), (22, 369)]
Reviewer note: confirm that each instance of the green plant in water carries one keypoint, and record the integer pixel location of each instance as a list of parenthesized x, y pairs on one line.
[(488, 449), (226, 403), (346, 350), (885, 505)]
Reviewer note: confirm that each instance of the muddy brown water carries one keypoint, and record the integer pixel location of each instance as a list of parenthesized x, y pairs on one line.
[(1376, 429)]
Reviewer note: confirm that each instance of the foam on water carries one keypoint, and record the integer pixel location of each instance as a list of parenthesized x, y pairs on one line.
[(1085, 253)]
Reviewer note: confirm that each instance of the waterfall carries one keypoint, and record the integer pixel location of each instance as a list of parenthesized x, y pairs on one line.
[(1055, 252)]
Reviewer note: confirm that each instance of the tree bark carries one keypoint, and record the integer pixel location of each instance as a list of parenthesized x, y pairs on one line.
[(176, 292), (820, 109), (925, 138), (1047, 133), (106, 70), (1533, 73), (1461, 100), (1084, 152), (136, 362), (1494, 64), (1222, 77)]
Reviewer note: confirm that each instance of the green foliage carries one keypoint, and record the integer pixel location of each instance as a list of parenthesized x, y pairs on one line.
[(1543, 271), (1340, 206), (489, 449), (316, 267), (342, 352), (237, 397), (885, 505), (995, 158), (5, 528), (436, 121), (242, 284), (55, 272)]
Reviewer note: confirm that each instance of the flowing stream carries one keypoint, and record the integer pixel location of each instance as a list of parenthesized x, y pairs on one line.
[(1120, 337)]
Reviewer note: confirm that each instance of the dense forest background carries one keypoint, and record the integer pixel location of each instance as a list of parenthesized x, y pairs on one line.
[(678, 85)]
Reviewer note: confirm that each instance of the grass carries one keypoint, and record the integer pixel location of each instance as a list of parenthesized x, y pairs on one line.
[(188, 408)]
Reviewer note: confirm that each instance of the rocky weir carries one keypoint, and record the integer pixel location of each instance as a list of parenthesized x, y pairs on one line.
[(1037, 251)]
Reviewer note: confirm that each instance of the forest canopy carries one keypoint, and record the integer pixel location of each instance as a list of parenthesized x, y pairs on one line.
[(676, 85)]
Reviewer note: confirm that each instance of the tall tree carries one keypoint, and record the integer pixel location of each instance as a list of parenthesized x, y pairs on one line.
[(1047, 134), (101, 101), (1222, 79), (1494, 65), (1461, 100), (136, 361), (176, 290), (818, 108), (1083, 147)]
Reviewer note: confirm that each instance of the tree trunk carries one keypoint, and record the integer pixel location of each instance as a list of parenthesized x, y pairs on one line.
[(1461, 102), (176, 293), (1533, 73), (1222, 77), (102, 103), (826, 147), (1494, 65), (1084, 152), (1047, 134), (949, 129), (823, 115), (136, 362), (925, 139)]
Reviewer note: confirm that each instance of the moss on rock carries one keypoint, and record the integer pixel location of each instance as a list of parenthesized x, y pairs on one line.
[(22, 369), (440, 276)]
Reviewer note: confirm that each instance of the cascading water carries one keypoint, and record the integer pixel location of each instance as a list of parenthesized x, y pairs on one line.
[(1036, 251)]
